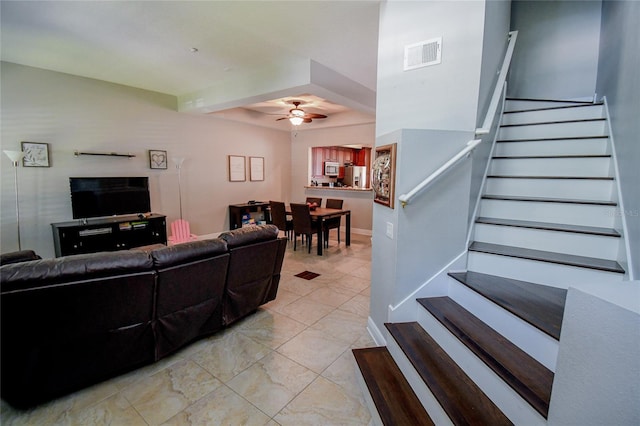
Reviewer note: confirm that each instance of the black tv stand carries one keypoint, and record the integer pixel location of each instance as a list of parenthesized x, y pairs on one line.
[(108, 234)]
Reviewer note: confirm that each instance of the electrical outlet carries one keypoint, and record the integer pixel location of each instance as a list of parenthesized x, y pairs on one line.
[(390, 230)]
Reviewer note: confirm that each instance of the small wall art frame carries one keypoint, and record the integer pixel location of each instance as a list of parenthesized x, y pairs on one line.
[(237, 168), (157, 159), (36, 154), (383, 175), (256, 168)]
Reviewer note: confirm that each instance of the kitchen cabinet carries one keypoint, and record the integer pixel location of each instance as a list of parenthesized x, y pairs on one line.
[(342, 155)]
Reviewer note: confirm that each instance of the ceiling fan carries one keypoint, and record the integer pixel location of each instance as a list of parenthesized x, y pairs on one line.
[(297, 115)]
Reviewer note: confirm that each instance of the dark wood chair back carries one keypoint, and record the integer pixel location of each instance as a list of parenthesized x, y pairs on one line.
[(302, 223), (316, 200), (334, 222), (279, 217)]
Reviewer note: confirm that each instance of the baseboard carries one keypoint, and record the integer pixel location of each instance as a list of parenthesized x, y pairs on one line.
[(375, 333)]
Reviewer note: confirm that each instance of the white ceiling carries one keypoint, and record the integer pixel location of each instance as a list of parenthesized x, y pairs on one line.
[(148, 44)]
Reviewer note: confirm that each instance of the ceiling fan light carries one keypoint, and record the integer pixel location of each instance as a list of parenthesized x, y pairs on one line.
[(296, 120), (296, 112)]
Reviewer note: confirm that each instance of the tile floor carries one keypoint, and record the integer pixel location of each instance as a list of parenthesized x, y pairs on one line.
[(290, 363)]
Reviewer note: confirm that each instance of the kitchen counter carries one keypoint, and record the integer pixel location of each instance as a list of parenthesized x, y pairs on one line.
[(339, 188)]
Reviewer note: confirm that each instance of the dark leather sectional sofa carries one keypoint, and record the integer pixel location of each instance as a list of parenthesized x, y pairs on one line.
[(73, 321)]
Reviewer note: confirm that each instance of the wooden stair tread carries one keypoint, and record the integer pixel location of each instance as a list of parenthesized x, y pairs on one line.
[(395, 401), (530, 379), (539, 305), (581, 120), (563, 227), (548, 200), (462, 400), (547, 256), (550, 177), (547, 157), (581, 105), (564, 138), (564, 101)]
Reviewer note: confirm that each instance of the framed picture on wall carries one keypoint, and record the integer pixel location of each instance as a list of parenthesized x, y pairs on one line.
[(157, 159), (237, 172), (256, 168), (36, 154), (383, 174)]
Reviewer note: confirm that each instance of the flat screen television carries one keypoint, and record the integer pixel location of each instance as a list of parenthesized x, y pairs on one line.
[(109, 196)]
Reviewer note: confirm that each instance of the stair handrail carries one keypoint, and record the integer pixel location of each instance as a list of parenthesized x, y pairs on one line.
[(497, 91), (405, 198), (486, 125)]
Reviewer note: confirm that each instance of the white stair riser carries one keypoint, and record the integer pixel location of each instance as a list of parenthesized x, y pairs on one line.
[(539, 116), (577, 214), (556, 130), (505, 398), (539, 345), (574, 189), (422, 391), (551, 274), (582, 167), (539, 239), (521, 104), (587, 146)]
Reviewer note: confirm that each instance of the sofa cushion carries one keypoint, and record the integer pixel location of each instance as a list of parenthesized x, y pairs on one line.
[(18, 256), (38, 273), (187, 252), (249, 235)]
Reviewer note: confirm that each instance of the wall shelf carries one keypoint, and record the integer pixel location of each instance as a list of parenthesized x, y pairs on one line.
[(108, 154)]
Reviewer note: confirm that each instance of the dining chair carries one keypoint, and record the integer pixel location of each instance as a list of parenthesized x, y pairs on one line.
[(334, 222), (318, 201), (302, 223), (279, 218)]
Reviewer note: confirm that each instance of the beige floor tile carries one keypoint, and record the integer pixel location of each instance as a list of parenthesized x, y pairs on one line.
[(324, 403), (272, 382), (166, 393), (271, 328), (230, 354), (344, 372), (305, 311), (313, 349), (220, 407), (342, 325), (330, 296), (358, 305)]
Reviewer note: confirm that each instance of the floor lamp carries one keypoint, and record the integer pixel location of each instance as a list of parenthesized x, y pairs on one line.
[(178, 162), (15, 157)]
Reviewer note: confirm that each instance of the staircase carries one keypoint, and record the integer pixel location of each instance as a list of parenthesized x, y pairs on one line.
[(486, 352)]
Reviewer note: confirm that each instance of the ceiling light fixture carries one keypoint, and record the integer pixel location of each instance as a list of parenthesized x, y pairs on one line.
[(296, 120)]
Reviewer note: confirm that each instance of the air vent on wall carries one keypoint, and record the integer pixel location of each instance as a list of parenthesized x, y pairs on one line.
[(423, 53)]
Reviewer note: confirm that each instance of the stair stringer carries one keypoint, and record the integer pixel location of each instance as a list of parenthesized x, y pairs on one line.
[(503, 396), (620, 220)]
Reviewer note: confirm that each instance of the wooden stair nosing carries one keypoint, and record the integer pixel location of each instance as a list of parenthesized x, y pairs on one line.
[(562, 138), (548, 200), (548, 257), (539, 305), (551, 177), (462, 400), (560, 227), (545, 123), (530, 379), (395, 401), (554, 108), (547, 157), (569, 101)]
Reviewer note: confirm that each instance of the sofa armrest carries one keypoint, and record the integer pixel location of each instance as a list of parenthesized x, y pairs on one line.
[(18, 256), (249, 235)]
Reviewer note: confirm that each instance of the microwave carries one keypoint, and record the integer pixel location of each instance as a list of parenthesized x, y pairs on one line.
[(331, 168)]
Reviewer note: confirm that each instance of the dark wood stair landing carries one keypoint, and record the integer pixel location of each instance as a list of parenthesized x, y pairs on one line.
[(530, 379), (462, 400), (395, 401)]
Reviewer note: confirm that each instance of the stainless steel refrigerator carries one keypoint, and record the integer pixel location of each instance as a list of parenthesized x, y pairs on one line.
[(355, 176)]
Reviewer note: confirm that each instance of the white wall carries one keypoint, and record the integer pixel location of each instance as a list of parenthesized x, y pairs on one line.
[(557, 52), (597, 378), (73, 113), (618, 81), (360, 203), (443, 96)]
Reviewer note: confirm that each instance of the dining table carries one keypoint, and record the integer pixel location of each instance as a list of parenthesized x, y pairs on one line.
[(321, 214)]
